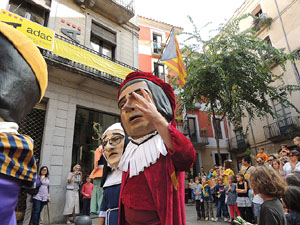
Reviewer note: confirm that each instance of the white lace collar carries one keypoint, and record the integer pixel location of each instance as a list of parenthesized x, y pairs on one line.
[(140, 156), (9, 127), (113, 178)]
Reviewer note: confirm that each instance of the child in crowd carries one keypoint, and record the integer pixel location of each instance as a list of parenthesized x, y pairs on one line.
[(257, 202), (87, 190), (220, 193), (231, 197), (199, 200), (207, 199), (243, 201), (227, 170), (192, 188), (291, 200), (262, 154), (266, 182)]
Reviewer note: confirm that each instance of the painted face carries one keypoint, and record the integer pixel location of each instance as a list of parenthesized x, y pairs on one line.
[(113, 143), (133, 121)]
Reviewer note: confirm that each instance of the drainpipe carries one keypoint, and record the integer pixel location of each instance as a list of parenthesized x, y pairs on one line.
[(295, 69)]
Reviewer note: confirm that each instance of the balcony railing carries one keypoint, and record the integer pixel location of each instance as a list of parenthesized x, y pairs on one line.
[(282, 128), (120, 11), (240, 144), (78, 67), (202, 141)]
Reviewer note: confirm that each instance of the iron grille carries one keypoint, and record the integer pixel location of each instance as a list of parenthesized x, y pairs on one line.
[(33, 126)]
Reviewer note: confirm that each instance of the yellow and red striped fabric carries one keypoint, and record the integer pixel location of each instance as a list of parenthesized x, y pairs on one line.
[(173, 59)]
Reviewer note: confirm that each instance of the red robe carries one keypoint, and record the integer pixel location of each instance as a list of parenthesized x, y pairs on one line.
[(168, 201)]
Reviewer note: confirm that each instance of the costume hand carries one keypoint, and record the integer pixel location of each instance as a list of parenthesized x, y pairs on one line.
[(146, 106)]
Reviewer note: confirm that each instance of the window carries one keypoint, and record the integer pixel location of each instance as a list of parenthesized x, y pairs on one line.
[(268, 40), (192, 129), (217, 128), (239, 134), (103, 41), (258, 11), (224, 156), (157, 40), (281, 111), (159, 70), (30, 11)]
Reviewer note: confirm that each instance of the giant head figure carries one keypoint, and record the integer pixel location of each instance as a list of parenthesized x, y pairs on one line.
[(161, 93), (23, 74), (113, 144)]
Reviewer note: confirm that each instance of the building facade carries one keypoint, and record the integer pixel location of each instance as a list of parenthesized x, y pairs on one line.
[(95, 47), (153, 36), (279, 25)]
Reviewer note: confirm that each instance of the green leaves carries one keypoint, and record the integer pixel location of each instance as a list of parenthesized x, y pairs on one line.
[(232, 74)]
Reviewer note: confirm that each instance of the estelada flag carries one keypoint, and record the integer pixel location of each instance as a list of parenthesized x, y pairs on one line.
[(173, 59)]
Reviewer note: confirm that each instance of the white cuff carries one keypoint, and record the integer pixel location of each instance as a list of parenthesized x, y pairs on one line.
[(102, 214)]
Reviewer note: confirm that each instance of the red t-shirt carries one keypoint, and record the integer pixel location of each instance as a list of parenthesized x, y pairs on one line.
[(87, 189)]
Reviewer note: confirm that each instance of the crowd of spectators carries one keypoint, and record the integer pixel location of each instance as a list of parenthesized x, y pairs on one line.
[(266, 193)]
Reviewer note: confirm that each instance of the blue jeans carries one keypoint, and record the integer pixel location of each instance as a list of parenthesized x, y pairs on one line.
[(222, 206), (36, 211)]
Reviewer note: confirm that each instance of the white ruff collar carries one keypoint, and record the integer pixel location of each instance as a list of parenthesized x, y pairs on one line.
[(140, 156), (113, 178), (9, 127)]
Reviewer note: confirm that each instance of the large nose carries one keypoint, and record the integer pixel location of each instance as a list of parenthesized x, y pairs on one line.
[(129, 104), (108, 147)]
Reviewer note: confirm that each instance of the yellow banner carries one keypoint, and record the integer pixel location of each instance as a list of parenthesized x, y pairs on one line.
[(41, 36), (77, 54)]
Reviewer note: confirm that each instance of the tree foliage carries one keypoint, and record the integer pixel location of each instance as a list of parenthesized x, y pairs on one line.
[(231, 74)]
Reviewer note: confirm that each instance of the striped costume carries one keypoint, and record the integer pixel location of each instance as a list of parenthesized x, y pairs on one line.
[(17, 167), (16, 157)]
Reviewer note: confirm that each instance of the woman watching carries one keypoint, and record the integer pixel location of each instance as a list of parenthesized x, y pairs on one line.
[(72, 194), (43, 195)]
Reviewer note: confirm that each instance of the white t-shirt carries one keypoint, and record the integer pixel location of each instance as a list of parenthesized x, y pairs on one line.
[(257, 199), (287, 169)]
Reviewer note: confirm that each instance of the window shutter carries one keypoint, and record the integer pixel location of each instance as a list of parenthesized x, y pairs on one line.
[(103, 33)]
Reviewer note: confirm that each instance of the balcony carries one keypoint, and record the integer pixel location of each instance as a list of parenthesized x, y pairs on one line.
[(200, 141), (238, 145), (197, 142), (261, 22), (77, 58), (157, 48), (285, 128), (119, 11)]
